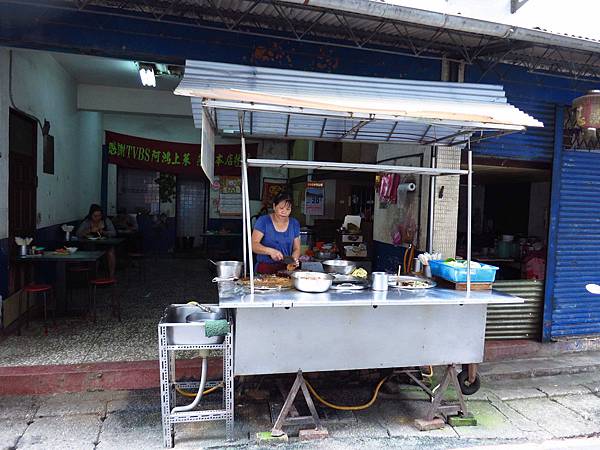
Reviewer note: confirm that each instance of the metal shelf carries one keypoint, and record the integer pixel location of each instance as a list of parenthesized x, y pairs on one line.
[(168, 384), (352, 167)]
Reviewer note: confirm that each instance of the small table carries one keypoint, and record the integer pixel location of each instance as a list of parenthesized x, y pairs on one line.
[(61, 264), (94, 243)]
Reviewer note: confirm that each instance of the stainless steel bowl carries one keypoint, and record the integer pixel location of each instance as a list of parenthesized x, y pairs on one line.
[(179, 313), (203, 316), (229, 269), (312, 281), (340, 266)]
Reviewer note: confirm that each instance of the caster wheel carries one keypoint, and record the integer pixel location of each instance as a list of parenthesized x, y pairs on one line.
[(466, 387)]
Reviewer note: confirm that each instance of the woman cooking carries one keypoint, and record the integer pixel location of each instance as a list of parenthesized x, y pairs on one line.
[(276, 236)]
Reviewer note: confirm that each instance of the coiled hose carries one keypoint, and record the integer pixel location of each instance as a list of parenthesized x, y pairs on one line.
[(348, 408), (193, 394), (358, 407)]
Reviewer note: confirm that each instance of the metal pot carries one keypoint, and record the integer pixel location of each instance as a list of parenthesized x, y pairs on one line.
[(340, 266), (312, 281), (203, 316), (229, 269)]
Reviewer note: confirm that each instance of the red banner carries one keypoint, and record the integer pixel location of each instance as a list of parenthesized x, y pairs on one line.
[(228, 160), (173, 157), (140, 153)]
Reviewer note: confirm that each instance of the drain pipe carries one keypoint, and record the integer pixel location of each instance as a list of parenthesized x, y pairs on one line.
[(200, 390)]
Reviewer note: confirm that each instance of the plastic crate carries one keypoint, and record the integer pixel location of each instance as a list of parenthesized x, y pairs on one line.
[(483, 274)]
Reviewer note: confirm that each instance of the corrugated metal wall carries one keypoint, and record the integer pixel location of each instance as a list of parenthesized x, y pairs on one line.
[(517, 321), (577, 249), (536, 144)]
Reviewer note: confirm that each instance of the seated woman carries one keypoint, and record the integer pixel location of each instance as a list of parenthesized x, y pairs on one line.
[(276, 236), (96, 225)]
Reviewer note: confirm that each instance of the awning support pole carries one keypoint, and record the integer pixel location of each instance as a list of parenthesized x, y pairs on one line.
[(244, 233), (246, 206), (432, 199), (469, 212)]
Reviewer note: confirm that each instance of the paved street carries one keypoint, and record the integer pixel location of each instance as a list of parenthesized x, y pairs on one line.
[(551, 412)]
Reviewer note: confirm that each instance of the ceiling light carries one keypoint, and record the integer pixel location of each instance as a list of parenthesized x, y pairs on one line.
[(147, 75)]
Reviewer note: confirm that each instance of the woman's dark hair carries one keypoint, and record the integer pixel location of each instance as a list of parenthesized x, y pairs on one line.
[(93, 208), (283, 196)]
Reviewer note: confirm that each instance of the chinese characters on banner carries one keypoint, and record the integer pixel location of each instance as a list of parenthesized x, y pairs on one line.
[(140, 153), (228, 160), (314, 199), (174, 157)]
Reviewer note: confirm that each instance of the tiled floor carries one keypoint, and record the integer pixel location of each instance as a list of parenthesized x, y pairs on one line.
[(76, 339)]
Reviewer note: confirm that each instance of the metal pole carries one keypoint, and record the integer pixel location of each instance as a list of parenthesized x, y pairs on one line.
[(246, 204), (244, 231), (469, 212), (244, 234), (311, 157), (432, 199)]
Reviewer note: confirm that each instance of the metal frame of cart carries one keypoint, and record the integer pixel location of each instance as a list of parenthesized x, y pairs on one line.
[(166, 358), (369, 330)]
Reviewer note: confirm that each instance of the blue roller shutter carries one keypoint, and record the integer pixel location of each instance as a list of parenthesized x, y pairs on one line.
[(577, 246), (536, 144)]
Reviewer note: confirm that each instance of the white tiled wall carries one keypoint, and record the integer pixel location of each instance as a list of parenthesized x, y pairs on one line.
[(446, 208)]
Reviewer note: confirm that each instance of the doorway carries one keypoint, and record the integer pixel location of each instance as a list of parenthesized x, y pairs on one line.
[(511, 207), (22, 182)]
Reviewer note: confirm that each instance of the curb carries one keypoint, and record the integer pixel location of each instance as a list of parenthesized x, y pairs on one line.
[(108, 376)]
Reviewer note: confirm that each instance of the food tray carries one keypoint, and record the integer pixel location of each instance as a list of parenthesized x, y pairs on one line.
[(393, 282), (339, 278), (483, 274), (268, 282)]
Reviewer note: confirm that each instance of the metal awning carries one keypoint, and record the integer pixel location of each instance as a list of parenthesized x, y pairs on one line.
[(262, 102), (320, 106)]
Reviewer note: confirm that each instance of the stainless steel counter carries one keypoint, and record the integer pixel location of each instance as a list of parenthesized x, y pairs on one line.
[(232, 297), (283, 331)]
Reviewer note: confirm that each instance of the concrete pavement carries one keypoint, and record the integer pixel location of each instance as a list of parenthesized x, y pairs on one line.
[(561, 411)]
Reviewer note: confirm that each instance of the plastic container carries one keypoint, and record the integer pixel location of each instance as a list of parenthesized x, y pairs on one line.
[(483, 274)]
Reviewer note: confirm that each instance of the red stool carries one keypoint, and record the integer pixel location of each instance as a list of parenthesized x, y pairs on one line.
[(75, 271), (115, 302), (43, 289)]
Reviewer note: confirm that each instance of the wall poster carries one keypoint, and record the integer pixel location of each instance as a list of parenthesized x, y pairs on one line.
[(314, 199), (230, 196)]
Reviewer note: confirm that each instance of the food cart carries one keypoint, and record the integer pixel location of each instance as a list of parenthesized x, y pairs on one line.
[(289, 331)]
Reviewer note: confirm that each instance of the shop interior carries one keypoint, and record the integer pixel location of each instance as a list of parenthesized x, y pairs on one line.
[(174, 223), (511, 207)]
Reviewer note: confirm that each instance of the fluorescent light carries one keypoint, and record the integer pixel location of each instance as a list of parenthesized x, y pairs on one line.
[(147, 76)]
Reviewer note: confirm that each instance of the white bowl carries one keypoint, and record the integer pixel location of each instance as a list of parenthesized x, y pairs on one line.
[(71, 249)]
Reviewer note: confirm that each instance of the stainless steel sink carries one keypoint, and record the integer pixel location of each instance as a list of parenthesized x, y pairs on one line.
[(182, 332)]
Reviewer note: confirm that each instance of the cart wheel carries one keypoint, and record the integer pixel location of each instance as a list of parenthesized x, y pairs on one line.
[(466, 387)]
